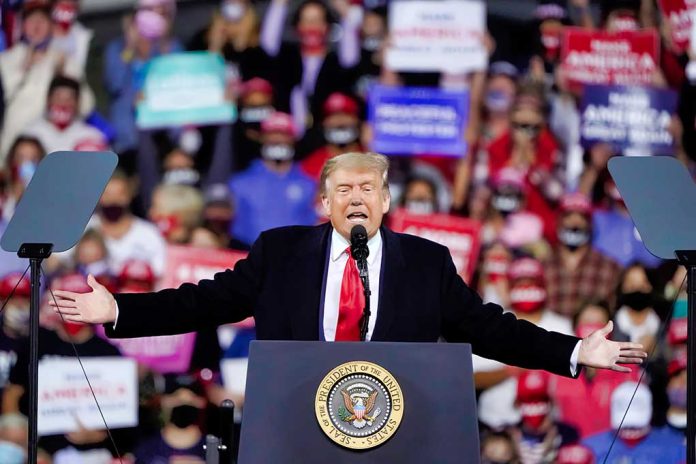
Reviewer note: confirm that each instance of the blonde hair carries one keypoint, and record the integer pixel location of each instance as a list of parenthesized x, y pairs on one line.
[(366, 161), (183, 201)]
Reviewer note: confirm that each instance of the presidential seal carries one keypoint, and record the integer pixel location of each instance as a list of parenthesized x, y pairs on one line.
[(359, 405)]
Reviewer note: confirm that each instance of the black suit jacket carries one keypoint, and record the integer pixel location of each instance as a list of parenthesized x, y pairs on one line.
[(421, 298)]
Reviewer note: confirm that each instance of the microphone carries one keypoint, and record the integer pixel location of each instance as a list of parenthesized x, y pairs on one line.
[(358, 243)]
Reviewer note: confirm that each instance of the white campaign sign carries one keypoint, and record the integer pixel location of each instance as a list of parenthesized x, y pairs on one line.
[(234, 374), (437, 35), (66, 402)]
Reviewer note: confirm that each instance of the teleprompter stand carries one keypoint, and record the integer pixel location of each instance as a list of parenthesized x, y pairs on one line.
[(661, 198), (51, 216)]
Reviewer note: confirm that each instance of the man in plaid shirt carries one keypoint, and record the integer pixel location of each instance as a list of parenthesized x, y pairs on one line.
[(577, 272)]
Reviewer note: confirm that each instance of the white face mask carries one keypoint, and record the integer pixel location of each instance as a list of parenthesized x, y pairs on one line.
[(277, 152), (691, 72), (677, 419), (233, 11)]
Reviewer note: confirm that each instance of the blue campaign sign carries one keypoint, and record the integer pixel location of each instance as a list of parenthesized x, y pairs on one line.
[(185, 88), (417, 120), (634, 120)]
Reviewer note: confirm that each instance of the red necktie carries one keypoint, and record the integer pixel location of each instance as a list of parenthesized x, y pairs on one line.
[(351, 303)]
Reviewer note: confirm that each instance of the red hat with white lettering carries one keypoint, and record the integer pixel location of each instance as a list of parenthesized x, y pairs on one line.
[(279, 122), (340, 103), (75, 282), (137, 271), (526, 268), (533, 386), (575, 454), (9, 281), (256, 84), (576, 202)]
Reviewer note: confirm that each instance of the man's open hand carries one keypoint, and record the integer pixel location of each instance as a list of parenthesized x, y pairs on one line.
[(96, 307), (596, 351)]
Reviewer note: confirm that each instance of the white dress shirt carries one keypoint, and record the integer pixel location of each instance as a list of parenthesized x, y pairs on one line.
[(334, 278)]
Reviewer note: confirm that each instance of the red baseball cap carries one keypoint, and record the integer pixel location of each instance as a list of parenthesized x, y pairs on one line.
[(509, 177), (74, 282), (678, 362), (9, 281), (340, 103), (526, 268), (279, 122), (575, 454), (576, 202), (256, 84), (533, 386), (137, 270)]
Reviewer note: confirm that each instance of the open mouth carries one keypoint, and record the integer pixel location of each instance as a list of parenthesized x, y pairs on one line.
[(357, 217)]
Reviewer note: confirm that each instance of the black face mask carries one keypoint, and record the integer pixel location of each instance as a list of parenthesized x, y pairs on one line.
[(184, 416), (638, 301), (573, 238), (112, 213), (506, 203), (219, 226)]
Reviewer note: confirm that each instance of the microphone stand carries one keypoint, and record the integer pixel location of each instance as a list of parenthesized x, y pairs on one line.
[(365, 320)]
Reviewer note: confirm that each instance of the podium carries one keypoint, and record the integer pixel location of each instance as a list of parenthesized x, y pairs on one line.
[(319, 402)]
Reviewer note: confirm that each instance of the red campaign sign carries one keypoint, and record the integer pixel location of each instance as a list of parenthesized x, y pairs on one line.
[(625, 58), (460, 235), (678, 14), (173, 353), (188, 264)]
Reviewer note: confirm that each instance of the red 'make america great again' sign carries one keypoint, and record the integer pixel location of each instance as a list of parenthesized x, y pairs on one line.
[(595, 57)]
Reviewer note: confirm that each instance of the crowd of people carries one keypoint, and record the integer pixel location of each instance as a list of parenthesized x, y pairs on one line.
[(558, 247)]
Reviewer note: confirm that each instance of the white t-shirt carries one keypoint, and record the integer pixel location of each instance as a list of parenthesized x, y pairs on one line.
[(54, 139), (496, 405), (143, 241)]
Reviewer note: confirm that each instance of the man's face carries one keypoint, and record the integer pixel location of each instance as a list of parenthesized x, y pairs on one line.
[(65, 98), (355, 196)]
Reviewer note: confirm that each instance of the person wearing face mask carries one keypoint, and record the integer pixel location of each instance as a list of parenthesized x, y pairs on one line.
[(527, 300), (26, 71), (577, 271), (127, 236), (636, 316), (70, 37), (234, 34), (500, 92), (614, 233), (92, 257), (620, 15), (420, 196), (218, 216), (273, 191), (56, 343), (22, 160), (181, 438), (509, 220), (176, 210), (255, 105), (341, 131), (146, 34), (574, 399), (309, 71), (539, 436), (62, 127), (637, 440), (530, 147), (15, 322)]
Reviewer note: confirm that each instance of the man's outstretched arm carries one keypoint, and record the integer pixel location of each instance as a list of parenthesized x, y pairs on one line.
[(229, 297)]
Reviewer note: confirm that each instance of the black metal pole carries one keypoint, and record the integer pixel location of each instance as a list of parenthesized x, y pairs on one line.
[(35, 264), (228, 435)]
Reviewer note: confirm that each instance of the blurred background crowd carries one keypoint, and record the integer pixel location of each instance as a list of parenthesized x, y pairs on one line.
[(555, 243)]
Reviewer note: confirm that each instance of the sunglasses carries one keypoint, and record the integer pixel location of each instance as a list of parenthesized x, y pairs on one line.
[(526, 127)]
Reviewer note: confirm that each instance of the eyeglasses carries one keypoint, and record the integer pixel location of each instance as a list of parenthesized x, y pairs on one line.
[(527, 127)]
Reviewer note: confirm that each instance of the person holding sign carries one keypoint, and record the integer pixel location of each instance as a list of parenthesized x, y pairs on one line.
[(417, 295)]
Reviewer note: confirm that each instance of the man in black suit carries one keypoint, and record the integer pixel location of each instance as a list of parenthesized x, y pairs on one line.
[(294, 284)]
